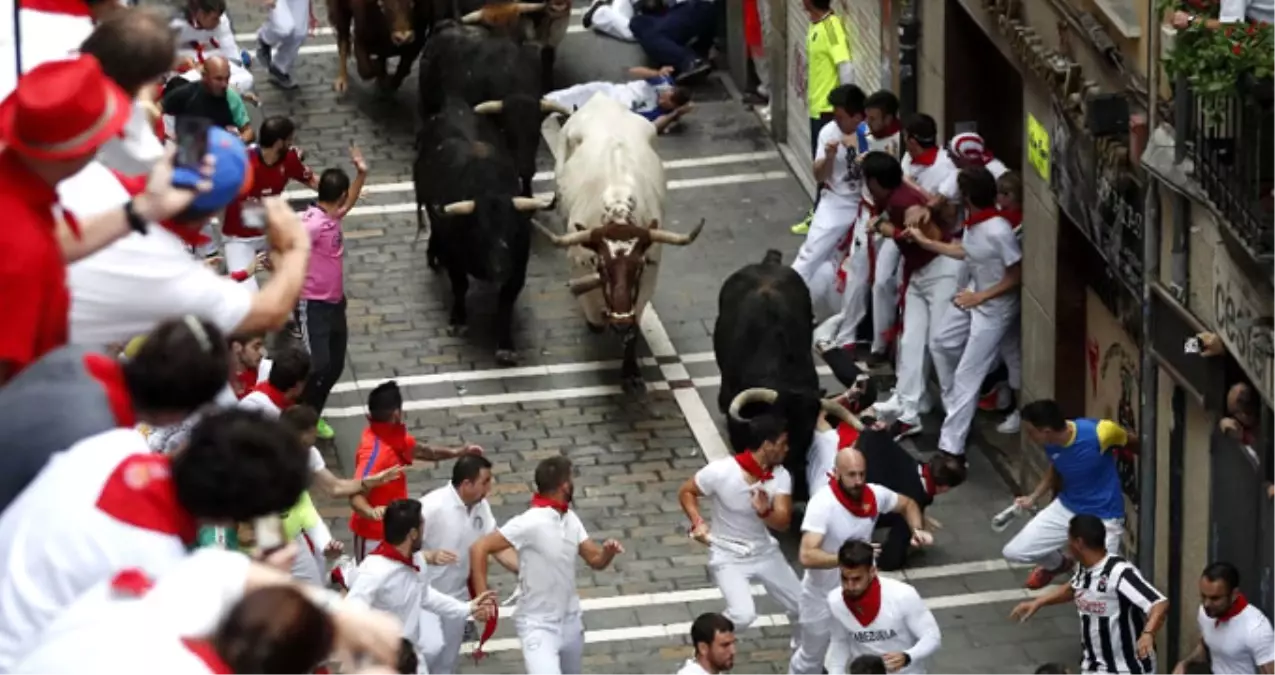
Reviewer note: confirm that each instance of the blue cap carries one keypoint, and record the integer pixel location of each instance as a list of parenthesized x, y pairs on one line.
[(230, 173)]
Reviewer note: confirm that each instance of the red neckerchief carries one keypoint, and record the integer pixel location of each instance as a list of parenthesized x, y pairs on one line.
[(136, 185), (1233, 611), (63, 7), (538, 501), (244, 382), (281, 400), (489, 628), (866, 507), (890, 130), (866, 608), (386, 550), (750, 466), (927, 481), (847, 436), (927, 157), (981, 215), (1014, 216), (131, 583), (109, 374), (394, 434), (140, 492), (204, 651)]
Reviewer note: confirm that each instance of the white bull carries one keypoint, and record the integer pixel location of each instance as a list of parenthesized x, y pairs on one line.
[(611, 194)]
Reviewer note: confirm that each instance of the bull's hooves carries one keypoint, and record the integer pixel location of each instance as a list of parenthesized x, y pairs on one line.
[(506, 357), (455, 330)]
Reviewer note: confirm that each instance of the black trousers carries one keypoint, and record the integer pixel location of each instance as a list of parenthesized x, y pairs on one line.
[(894, 552), (325, 336), (816, 124)]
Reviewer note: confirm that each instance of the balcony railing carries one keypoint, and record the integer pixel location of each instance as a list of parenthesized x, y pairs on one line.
[(1232, 143)]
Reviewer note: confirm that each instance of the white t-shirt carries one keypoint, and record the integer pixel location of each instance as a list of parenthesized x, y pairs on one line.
[(822, 457), (692, 667), (1241, 644), (125, 289), (903, 624), (1231, 11), (952, 191), (733, 515), (451, 526), (259, 402), (105, 504), (990, 249), (395, 587), (931, 177), (548, 545), (846, 180), (825, 515)]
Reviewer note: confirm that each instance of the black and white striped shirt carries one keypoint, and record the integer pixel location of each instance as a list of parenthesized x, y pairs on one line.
[(1113, 599)]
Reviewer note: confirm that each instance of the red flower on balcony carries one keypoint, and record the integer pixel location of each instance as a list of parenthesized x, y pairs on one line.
[(1237, 49)]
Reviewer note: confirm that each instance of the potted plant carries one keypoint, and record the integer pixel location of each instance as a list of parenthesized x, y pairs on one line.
[(1219, 62)]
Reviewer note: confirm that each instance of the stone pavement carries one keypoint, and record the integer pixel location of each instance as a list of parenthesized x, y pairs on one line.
[(564, 398)]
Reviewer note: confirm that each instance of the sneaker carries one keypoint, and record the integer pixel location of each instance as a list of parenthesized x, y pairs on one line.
[(697, 69), (587, 19), (1011, 424), (998, 399), (282, 80), (803, 227), (902, 430), (1040, 577), (264, 54), (324, 431)]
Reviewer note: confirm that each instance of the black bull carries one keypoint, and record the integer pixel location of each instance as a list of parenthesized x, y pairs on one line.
[(498, 77), (762, 343), (479, 224)]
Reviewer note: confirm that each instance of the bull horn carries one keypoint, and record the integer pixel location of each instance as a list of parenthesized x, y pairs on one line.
[(530, 204), (473, 17), (675, 239), (834, 409), (464, 208), (564, 240), (489, 108), (585, 284), (547, 106), (529, 7), (754, 395)]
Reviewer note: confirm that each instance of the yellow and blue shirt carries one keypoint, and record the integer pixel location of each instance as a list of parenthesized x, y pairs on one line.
[(827, 45), (1090, 481)]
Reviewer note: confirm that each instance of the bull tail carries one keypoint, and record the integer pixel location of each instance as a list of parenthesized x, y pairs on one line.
[(773, 257)]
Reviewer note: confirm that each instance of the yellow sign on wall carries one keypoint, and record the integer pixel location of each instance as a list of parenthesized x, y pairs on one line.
[(1038, 146)]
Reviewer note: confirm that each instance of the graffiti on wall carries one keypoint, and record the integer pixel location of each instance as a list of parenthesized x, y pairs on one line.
[(1113, 392)]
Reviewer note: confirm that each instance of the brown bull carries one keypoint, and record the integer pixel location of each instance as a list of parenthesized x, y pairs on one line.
[(377, 30)]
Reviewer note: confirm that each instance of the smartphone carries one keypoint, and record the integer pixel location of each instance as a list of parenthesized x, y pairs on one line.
[(1192, 346), (192, 145), (252, 214), (268, 530)]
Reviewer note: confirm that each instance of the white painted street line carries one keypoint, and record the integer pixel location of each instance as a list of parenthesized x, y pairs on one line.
[(326, 31), (694, 162), (687, 184), (681, 630), (703, 428), (497, 399)]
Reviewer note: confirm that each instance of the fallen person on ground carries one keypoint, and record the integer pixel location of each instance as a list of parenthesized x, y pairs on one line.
[(654, 96)]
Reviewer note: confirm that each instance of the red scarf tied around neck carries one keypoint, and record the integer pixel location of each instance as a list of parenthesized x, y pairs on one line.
[(280, 399), (750, 466), (866, 507), (866, 607), (387, 550), (541, 501), (1233, 611)]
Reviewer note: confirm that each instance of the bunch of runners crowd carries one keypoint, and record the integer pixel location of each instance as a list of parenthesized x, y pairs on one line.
[(155, 481)]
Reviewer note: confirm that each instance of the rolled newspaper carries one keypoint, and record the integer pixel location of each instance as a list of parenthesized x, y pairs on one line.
[(1002, 520), (735, 546)]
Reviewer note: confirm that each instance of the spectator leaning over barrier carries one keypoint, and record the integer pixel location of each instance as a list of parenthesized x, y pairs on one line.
[(51, 127), (72, 393)]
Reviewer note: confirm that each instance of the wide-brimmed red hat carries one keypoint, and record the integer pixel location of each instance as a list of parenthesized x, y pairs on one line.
[(62, 110)]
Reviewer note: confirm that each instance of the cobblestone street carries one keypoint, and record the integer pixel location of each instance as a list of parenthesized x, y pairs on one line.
[(631, 453)]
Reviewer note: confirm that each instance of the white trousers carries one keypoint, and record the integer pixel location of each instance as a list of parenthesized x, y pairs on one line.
[(285, 30), (311, 565), (815, 635), (832, 220), (929, 296), (965, 347), (735, 578), (440, 641), (578, 95), (613, 19), (1041, 540), (240, 78), (862, 277), (239, 254), (551, 647)]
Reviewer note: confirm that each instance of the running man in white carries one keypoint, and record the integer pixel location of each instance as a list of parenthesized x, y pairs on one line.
[(970, 338), (393, 579), (456, 515), (751, 493), (1235, 637), (713, 639), (876, 616), (841, 141), (203, 30), (846, 509), (280, 38), (548, 538)]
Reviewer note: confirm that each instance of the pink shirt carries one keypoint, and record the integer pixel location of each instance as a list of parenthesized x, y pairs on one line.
[(325, 276)]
